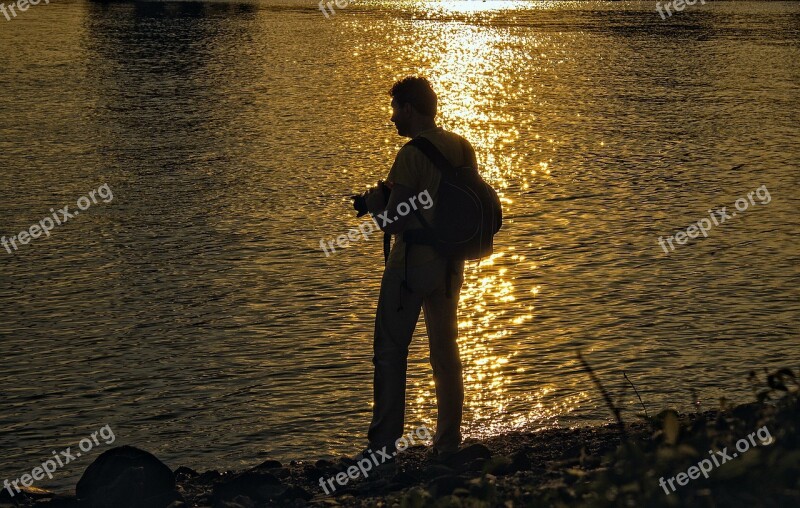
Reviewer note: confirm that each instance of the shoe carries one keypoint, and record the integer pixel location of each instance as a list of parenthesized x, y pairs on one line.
[(439, 457), (377, 457), (379, 464)]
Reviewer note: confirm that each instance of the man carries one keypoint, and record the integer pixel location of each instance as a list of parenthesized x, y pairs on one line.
[(419, 282)]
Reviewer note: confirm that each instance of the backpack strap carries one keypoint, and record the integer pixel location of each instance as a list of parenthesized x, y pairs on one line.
[(438, 159), (429, 149), (442, 164)]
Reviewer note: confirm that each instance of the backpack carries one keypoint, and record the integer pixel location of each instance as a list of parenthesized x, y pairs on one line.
[(468, 212)]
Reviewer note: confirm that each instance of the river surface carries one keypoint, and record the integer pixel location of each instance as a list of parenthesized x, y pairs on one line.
[(194, 312)]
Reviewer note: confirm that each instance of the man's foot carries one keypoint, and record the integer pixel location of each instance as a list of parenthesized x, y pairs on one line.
[(439, 457), (461, 457), (377, 457), (374, 462)]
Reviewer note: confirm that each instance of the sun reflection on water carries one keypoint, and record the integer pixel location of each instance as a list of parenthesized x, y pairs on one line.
[(469, 68)]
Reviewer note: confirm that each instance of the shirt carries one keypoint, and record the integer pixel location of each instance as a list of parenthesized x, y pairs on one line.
[(413, 169)]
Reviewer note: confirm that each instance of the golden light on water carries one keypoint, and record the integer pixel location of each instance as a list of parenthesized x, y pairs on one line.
[(599, 126), (463, 63), (478, 6)]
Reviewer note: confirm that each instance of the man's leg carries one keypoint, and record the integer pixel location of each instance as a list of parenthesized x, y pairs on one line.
[(394, 327), (441, 320)]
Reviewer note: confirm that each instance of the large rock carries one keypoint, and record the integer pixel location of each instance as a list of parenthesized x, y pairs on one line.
[(127, 477)]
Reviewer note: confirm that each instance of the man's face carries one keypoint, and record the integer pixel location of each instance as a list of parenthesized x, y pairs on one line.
[(400, 117)]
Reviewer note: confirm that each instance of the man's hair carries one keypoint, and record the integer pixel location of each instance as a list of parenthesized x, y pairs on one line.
[(418, 92)]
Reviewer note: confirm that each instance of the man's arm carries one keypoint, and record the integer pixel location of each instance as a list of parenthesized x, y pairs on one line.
[(400, 194), (395, 222)]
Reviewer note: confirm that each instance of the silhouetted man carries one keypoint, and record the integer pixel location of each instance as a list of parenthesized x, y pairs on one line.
[(418, 282)]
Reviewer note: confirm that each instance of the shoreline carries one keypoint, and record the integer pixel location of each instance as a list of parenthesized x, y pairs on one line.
[(543, 468), (508, 453)]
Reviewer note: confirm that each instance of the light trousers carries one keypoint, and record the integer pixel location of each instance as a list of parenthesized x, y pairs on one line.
[(398, 311)]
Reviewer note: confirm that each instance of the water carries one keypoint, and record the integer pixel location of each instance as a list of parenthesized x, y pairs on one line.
[(195, 313)]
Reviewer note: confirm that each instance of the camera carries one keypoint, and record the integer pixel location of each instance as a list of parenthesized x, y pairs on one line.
[(360, 200)]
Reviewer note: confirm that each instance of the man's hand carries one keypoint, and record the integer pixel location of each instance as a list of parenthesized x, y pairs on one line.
[(376, 202), (360, 205)]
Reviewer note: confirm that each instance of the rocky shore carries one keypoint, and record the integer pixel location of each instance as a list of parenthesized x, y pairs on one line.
[(613, 465), (503, 462)]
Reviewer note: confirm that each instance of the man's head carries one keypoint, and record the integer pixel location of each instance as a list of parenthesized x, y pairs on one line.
[(413, 105)]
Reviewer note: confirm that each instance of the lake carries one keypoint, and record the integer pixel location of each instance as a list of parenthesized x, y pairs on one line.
[(195, 313)]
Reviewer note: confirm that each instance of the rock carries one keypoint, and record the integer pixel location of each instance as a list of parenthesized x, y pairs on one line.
[(280, 472), (469, 458), (237, 502), (345, 462), (255, 485), (209, 476), (404, 479), (367, 489), (470, 453), (520, 461), (475, 465), (498, 465), (572, 451), (62, 501), (312, 473), (482, 488), (323, 464), (436, 470), (445, 485), (184, 473), (296, 493), (127, 477), (269, 464), (417, 496)]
